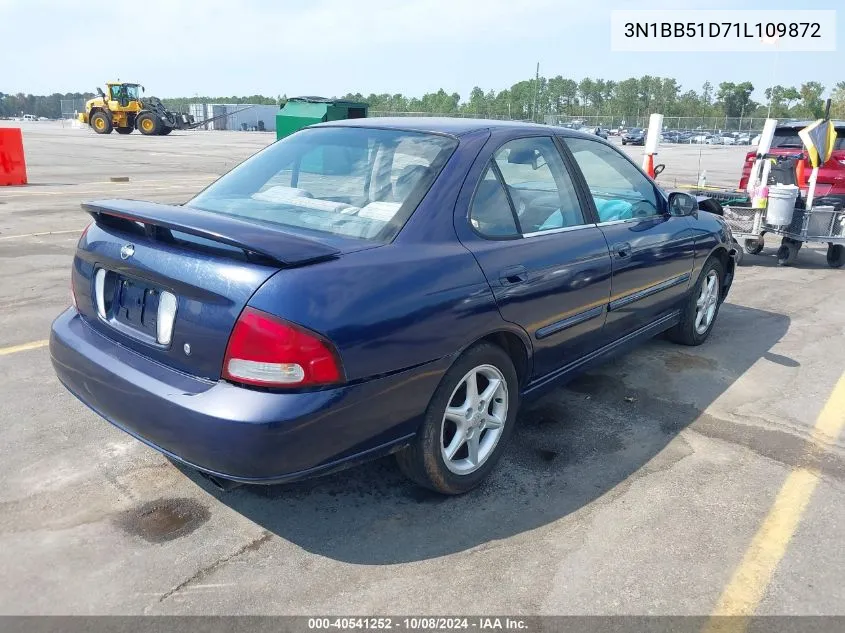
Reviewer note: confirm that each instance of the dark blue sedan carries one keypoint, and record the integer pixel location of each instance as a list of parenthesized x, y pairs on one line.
[(379, 286)]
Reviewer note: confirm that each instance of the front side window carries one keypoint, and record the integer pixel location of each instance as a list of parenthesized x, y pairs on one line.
[(355, 182), (619, 190), (539, 185)]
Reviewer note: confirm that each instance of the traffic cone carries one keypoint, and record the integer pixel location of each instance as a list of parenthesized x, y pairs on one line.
[(649, 165), (800, 176)]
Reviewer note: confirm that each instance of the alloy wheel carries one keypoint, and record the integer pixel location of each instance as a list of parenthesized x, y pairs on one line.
[(474, 419), (708, 299)]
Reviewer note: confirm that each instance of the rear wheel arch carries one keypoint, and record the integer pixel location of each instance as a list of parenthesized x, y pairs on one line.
[(516, 346)]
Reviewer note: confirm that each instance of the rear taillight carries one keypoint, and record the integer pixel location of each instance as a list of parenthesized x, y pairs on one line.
[(72, 285), (267, 351)]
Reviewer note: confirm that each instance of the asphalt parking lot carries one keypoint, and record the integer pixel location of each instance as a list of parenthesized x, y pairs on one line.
[(671, 481)]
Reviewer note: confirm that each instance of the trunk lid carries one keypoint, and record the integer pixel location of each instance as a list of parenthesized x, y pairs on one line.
[(211, 263)]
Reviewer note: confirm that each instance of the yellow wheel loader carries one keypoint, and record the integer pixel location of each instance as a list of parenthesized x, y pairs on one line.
[(122, 108)]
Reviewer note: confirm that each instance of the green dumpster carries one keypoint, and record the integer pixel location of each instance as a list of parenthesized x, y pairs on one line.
[(300, 112)]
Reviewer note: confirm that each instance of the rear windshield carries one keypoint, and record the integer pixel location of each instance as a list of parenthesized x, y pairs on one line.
[(354, 182), (787, 137)]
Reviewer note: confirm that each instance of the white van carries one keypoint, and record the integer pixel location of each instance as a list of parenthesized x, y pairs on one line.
[(30, 117)]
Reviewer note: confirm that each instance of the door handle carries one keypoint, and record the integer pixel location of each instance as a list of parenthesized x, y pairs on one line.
[(622, 249), (512, 275)]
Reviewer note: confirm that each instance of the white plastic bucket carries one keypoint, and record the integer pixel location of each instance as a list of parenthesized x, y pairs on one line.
[(781, 204)]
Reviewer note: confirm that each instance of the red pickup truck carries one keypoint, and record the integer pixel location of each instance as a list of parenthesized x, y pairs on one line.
[(830, 184)]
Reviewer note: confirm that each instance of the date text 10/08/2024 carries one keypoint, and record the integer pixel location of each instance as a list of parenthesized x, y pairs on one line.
[(424, 623), (757, 30)]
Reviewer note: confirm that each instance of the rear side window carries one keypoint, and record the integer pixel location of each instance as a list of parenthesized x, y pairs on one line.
[(539, 185), (354, 182), (491, 213)]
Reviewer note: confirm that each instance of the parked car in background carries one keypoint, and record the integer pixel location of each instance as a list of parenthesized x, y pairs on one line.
[(830, 183), (377, 286), (634, 136), (720, 140), (600, 132)]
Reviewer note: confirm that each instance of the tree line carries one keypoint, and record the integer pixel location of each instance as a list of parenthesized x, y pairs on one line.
[(536, 97), (49, 106), (533, 98)]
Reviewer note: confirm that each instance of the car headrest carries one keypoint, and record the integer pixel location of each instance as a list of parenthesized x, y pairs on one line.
[(408, 179), (522, 156)]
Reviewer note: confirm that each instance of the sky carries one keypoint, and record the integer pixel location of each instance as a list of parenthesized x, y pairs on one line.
[(333, 47)]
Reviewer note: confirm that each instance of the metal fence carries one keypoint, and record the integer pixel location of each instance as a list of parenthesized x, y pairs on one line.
[(70, 107), (705, 124), (458, 115)]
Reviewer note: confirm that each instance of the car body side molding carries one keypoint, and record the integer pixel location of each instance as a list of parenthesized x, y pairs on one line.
[(575, 319), (557, 377), (647, 292)]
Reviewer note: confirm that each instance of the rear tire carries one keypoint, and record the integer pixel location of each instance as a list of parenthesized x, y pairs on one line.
[(124, 130), (702, 306), (835, 255), (473, 426), (101, 123), (148, 124)]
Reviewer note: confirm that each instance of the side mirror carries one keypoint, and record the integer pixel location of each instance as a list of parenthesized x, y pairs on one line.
[(658, 169), (682, 204)]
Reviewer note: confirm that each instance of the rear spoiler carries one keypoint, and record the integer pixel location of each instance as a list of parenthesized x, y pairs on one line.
[(276, 244)]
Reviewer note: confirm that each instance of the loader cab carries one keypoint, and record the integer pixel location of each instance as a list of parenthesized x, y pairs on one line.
[(124, 94)]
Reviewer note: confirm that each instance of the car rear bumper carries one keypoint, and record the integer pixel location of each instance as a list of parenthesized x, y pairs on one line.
[(236, 433)]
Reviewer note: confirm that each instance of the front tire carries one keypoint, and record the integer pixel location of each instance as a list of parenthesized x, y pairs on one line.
[(753, 247), (165, 130), (467, 425), (788, 251), (101, 123), (702, 306)]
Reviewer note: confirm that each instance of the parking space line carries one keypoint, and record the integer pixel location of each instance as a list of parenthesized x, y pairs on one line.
[(23, 348), (14, 237), (748, 585)]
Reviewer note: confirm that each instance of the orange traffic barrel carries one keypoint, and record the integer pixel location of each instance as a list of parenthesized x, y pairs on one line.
[(12, 163)]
